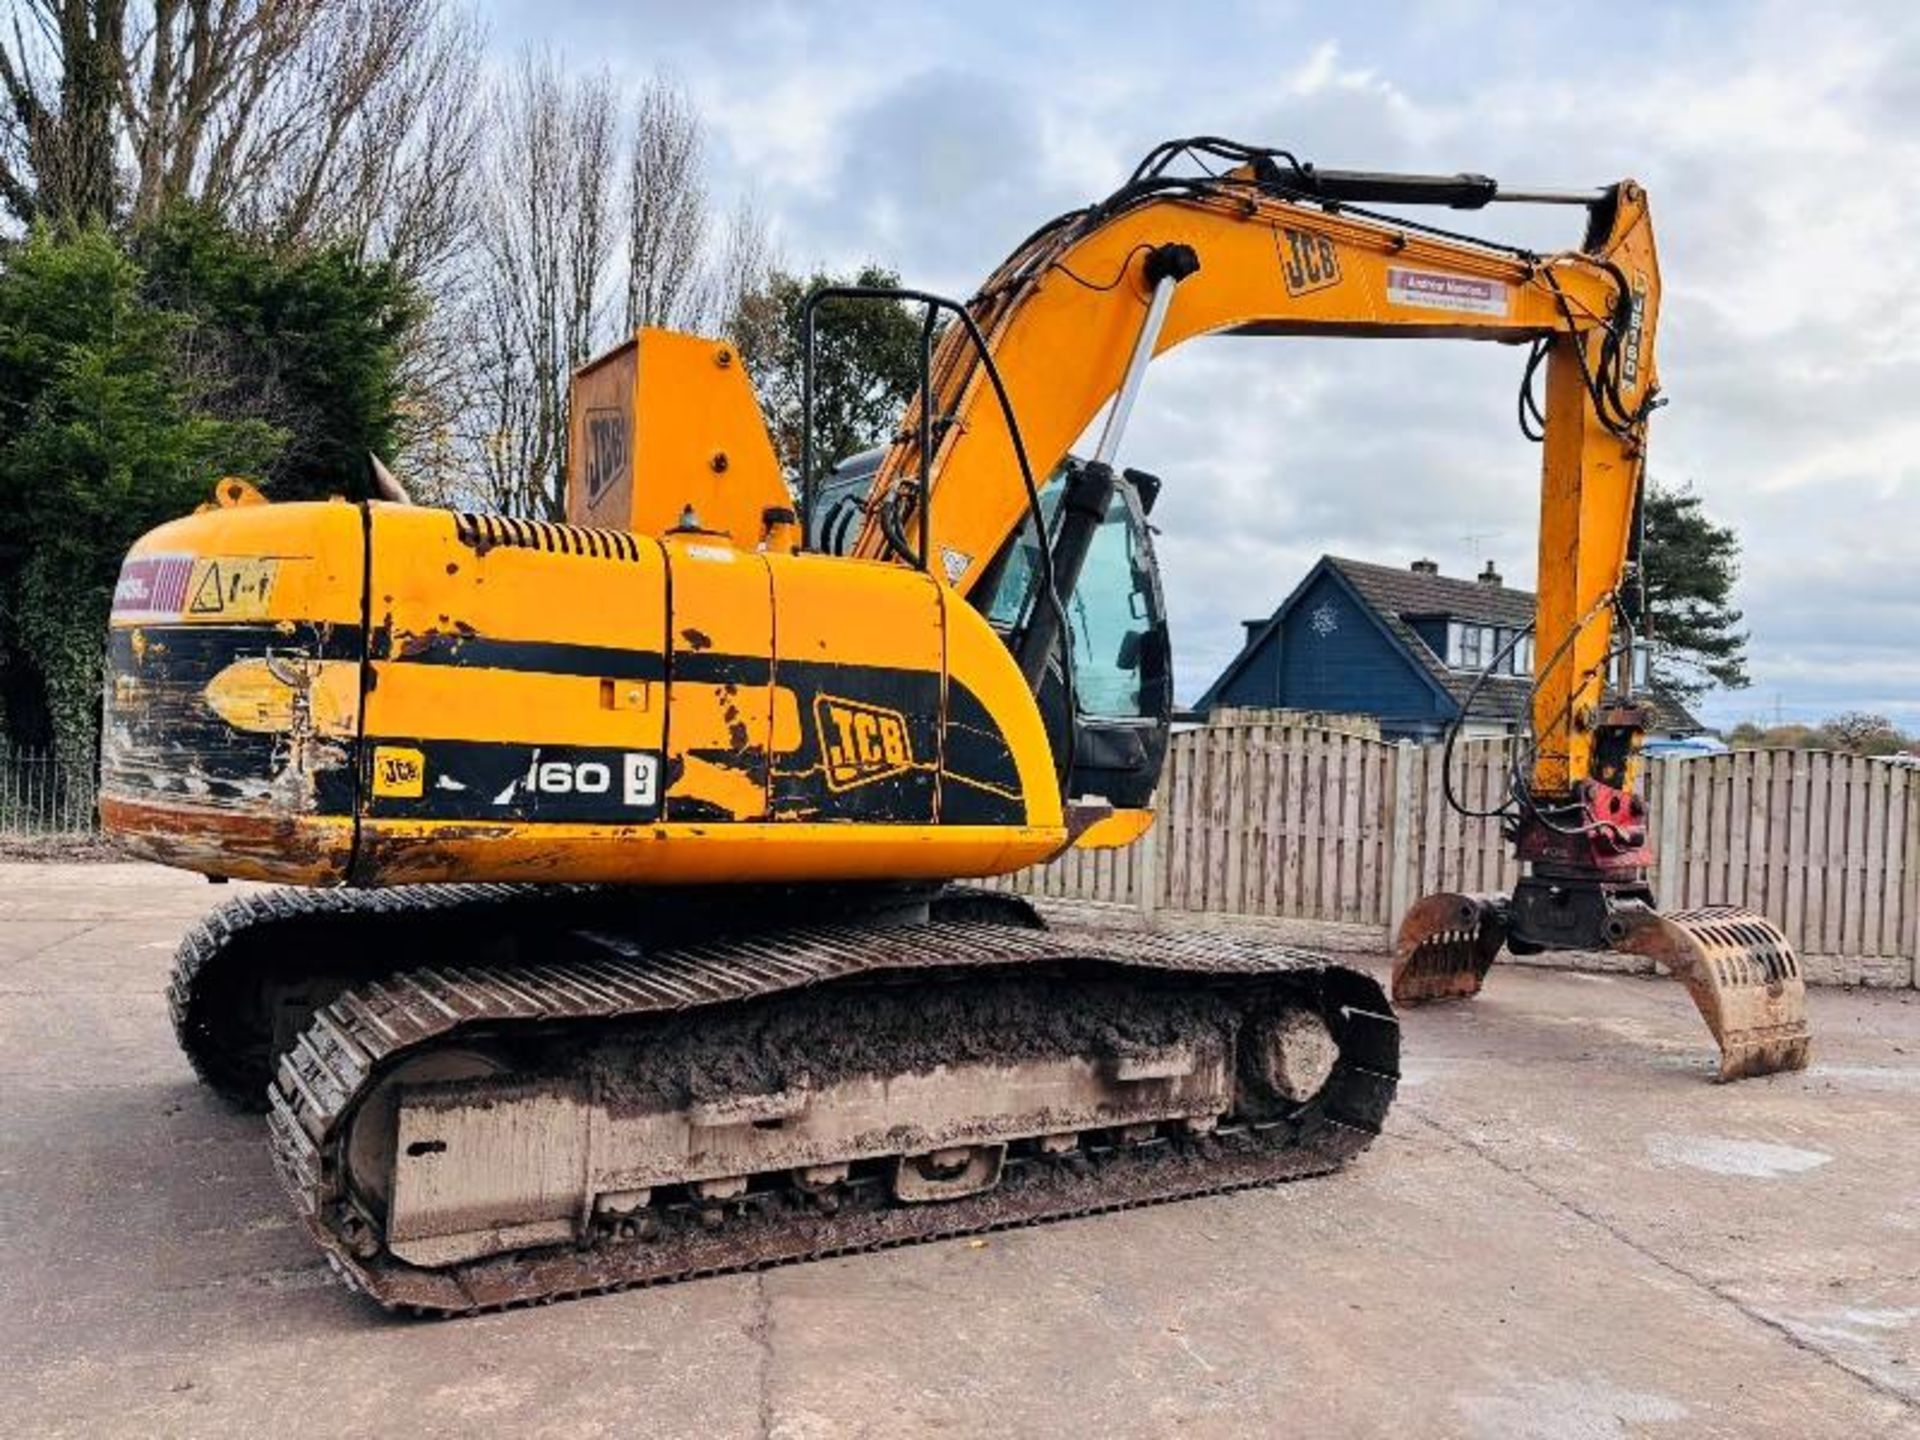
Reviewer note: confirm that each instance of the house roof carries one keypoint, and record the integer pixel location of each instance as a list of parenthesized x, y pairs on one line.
[(1396, 590), (1396, 595)]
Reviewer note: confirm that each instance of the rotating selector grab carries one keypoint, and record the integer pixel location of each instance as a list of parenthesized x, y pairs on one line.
[(1737, 966)]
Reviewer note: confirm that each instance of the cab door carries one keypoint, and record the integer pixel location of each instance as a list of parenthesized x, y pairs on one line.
[(1122, 658)]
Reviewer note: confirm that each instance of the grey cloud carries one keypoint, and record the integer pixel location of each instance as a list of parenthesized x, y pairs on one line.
[(943, 146)]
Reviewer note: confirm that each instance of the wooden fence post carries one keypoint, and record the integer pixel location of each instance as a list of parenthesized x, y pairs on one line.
[(1403, 856), (1910, 857), (1146, 870), (1669, 863)]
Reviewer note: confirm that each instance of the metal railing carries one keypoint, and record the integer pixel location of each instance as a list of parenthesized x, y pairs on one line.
[(42, 794)]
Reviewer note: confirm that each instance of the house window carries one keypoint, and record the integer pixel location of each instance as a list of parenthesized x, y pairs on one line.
[(1475, 647), (1523, 656), (1471, 646)]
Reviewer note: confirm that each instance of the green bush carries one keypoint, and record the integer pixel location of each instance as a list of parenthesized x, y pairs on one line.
[(133, 374)]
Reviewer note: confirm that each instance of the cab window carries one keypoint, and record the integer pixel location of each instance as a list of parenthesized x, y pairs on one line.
[(1110, 612)]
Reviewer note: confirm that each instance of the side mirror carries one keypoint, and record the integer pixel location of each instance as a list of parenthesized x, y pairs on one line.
[(1146, 485)]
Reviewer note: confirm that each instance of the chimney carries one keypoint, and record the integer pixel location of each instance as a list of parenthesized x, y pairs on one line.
[(1254, 627), (1426, 567), (1490, 576)]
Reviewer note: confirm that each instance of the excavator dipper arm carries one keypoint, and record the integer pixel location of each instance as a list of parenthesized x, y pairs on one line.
[(1273, 247)]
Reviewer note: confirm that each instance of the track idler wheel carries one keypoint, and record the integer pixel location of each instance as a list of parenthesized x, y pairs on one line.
[(1742, 974), (1446, 945)]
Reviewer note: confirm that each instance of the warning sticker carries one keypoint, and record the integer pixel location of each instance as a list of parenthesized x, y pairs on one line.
[(1430, 290), (151, 585), (230, 588)]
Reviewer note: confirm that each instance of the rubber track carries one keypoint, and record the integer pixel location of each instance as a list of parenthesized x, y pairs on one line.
[(320, 1079)]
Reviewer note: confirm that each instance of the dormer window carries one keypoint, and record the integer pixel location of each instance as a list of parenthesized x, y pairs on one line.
[(1473, 647)]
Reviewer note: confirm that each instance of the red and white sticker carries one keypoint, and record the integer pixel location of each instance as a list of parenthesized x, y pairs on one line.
[(1431, 290), (152, 585), (224, 588)]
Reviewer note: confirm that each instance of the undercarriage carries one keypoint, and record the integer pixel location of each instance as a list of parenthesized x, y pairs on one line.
[(575, 1106)]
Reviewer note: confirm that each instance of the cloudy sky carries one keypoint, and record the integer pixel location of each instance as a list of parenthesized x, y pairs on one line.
[(1780, 144)]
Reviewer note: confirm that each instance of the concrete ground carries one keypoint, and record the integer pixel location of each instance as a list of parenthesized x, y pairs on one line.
[(1565, 1232)]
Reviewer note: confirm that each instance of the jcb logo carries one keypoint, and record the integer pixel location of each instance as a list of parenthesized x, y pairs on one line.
[(606, 451), (860, 743), (399, 772), (1307, 261)]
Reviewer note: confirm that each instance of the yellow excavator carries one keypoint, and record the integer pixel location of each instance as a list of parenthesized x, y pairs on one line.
[(616, 936)]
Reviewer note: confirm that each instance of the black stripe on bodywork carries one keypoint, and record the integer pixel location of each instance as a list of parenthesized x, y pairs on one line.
[(211, 648), (551, 657), (163, 741), (706, 667), (170, 741), (981, 785)]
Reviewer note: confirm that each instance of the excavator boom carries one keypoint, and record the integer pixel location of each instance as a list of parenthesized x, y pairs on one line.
[(1275, 256)]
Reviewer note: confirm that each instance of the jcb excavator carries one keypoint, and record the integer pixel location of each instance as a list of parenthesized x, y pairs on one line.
[(616, 939)]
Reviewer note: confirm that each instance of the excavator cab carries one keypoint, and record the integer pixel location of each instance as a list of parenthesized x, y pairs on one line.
[(1122, 690)]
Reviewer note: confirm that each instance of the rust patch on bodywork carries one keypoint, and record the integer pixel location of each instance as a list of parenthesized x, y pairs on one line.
[(284, 849), (388, 858)]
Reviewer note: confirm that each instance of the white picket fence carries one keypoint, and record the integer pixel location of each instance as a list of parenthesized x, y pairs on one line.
[(1304, 824)]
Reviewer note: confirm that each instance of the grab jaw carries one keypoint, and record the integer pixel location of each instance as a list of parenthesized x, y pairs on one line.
[(1742, 974), (1446, 945)]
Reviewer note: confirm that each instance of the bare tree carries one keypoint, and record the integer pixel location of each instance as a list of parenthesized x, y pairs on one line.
[(417, 209), (541, 281), (667, 220), (684, 270), (60, 80), (588, 230), (746, 264), (301, 120)]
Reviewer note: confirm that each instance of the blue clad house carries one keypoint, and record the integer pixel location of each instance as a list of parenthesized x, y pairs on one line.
[(1403, 646)]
